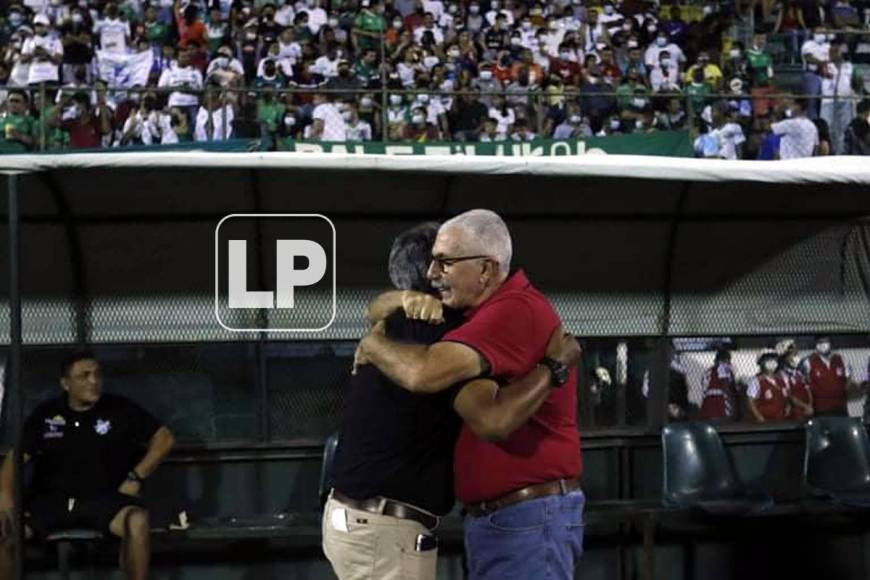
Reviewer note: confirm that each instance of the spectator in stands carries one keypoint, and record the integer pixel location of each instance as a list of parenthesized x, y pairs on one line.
[(799, 396), (86, 126), (358, 129), (841, 81), (815, 52), (664, 77), (829, 378), (43, 52), (214, 119), (92, 452), (825, 145), (845, 16), (857, 139), (727, 133), (270, 116), (766, 392), (790, 22), (225, 69), (507, 327), (148, 125), (327, 123), (759, 65), (711, 72), (768, 141), (800, 137), (19, 128), (720, 393), (186, 82)]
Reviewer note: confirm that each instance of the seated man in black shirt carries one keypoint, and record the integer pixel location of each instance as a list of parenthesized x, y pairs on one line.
[(90, 453), (393, 465)]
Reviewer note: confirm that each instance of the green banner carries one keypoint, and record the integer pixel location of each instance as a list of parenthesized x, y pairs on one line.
[(662, 143)]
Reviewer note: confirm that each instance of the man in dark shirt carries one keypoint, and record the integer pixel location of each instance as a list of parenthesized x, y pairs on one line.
[(393, 465), (90, 453)]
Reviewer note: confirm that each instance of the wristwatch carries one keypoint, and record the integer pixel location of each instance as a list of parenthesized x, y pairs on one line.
[(558, 371), (135, 477)]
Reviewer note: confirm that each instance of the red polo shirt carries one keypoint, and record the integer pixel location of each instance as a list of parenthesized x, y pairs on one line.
[(511, 331)]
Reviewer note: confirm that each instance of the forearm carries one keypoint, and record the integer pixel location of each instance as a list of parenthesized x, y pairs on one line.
[(755, 413), (159, 447), (513, 405), (402, 363), (384, 305), (7, 476)]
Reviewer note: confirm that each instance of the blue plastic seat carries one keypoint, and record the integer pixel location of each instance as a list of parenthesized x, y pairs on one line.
[(837, 461), (698, 474)]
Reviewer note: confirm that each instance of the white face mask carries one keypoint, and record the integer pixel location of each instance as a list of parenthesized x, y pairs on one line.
[(397, 24), (819, 38), (423, 98), (608, 10), (366, 102), (474, 8), (485, 75), (734, 53), (614, 125), (823, 348), (770, 366), (396, 99), (453, 53), (333, 22), (575, 119), (289, 120), (661, 41), (417, 119), (516, 41), (347, 116), (565, 55)]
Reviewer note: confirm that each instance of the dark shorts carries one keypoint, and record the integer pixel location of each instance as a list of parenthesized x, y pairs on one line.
[(52, 513)]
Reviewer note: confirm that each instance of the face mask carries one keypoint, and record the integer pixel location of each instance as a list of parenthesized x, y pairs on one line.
[(485, 75), (474, 8), (639, 125), (831, 37), (526, 25), (734, 53), (333, 22), (535, 12), (626, 27), (417, 119), (565, 55), (661, 41), (819, 38), (250, 36), (788, 113), (365, 102), (347, 116), (608, 10), (554, 26), (639, 103), (397, 24), (593, 80), (494, 5), (453, 53), (516, 41), (289, 120), (632, 44), (823, 348), (575, 119), (451, 9), (770, 366), (651, 28), (396, 99), (222, 61), (665, 63), (15, 19), (423, 98), (614, 125)]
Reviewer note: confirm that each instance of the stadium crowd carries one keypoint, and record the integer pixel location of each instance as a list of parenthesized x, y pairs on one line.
[(89, 74)]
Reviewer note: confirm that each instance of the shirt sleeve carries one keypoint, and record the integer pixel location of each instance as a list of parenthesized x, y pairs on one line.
[(753, 389), (500, 333), (143, 424)]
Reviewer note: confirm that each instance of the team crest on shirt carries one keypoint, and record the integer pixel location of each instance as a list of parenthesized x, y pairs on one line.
[(55, 427), (102, 426)]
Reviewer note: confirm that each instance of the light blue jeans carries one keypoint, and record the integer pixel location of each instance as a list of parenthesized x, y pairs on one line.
[(540, 539)]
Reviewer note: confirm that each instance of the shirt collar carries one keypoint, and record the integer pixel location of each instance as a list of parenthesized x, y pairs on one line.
[(516, 281)]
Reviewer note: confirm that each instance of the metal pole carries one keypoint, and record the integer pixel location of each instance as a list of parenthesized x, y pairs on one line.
[(42, 117), (383, 64), (224, 114), (13, 370)]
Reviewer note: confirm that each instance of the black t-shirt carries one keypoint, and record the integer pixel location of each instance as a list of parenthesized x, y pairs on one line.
[(394, 443), (85, 454)]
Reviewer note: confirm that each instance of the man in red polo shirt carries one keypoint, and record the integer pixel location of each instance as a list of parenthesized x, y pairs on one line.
[(522, 495)]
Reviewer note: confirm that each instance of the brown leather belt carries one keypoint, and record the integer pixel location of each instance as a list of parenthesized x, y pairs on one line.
[(557, 487), (388, 507)]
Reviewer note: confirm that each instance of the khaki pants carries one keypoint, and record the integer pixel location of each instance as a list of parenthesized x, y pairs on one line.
[(365, 546)]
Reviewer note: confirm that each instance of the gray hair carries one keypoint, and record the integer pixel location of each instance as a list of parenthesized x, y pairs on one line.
[(486, 233), (410, 257)]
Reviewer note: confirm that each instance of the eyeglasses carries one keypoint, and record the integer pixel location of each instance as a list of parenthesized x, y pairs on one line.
[(443, 264)]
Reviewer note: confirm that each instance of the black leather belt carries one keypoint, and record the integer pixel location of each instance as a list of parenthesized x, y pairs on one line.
[(388, 507)]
